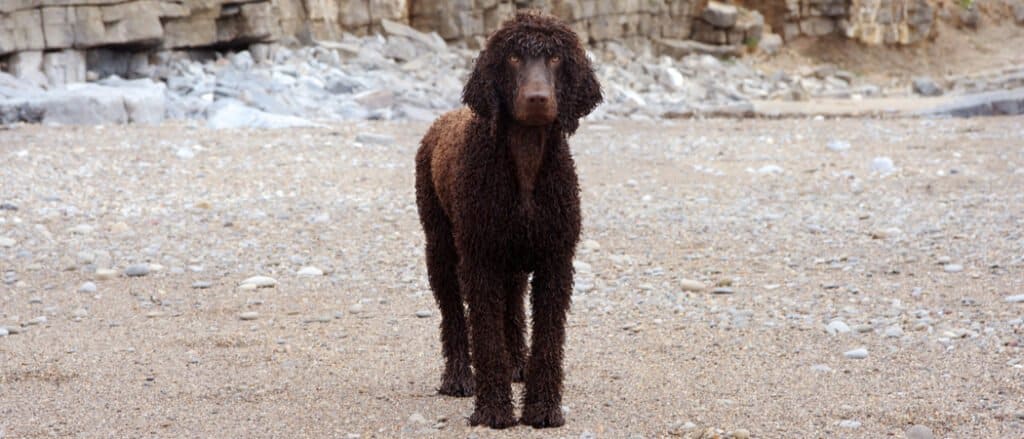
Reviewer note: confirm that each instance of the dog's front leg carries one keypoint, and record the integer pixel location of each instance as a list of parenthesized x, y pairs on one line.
[(552, 287), (484, 291)]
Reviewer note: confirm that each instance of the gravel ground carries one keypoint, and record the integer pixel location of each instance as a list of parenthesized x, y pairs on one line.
[(861, 277)]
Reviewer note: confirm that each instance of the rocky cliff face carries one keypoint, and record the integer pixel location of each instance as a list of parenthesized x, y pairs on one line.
[(53, 42), (38, 25)]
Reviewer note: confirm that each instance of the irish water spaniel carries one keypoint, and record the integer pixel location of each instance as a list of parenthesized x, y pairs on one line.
[(498, 199)]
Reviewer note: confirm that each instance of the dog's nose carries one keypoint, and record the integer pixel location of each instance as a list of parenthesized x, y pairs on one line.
[(537, 98)]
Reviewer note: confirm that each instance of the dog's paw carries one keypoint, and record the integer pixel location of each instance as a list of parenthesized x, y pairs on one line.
[(540, 415), (458, 386), (493, 417)]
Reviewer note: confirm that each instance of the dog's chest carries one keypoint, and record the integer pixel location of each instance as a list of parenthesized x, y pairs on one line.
[(527, 152)]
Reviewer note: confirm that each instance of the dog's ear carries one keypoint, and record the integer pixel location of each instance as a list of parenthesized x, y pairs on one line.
[(481, 90), (579, 92)]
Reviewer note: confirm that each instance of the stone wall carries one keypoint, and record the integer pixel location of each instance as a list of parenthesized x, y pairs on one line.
[(869, 21)]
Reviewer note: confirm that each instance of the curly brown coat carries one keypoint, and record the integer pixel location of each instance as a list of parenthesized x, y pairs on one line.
[(498, 198)]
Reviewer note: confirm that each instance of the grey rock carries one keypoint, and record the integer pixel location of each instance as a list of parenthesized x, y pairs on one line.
[(374, 139), (236, 115), (1017, 298), (3, 331), (919, 432), (926, 86), (770, 43), (424, 313), (894, 331), (722, 290), (88, 287), (720, 15), (136, 270), (201, 284)]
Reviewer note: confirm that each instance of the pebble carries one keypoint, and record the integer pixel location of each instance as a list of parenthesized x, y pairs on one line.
[(36, 321), (722, 290), (7, 242), (260, 282), (882, 165), (3, 331), (310, 271), (856, 354), (154, 314), (838, 145), (417, 418), (1018, 298), (81, 229), (953, 268), (894, 331), (80, 313), (823, 368), (202, 284), (919, 432), (424, 313), (105, 274), (87, 287), (741, 433), (374, 139), (692, 285), (591, 245), (136, 270), (185, 153), (8, 206), (837, 327), (862, 328), (35, 300), (356, 308), (849, 423), (249, 315)]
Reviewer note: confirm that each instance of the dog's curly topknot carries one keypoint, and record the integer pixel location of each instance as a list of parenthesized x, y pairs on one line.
[(490, 88)]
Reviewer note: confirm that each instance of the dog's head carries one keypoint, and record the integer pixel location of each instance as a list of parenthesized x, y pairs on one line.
[(534, 71)]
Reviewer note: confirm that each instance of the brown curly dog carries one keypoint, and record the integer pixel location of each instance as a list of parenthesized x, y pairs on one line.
[(498, 199)]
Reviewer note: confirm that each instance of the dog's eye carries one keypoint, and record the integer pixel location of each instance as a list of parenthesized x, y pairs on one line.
[(555, 60), (513, 60)]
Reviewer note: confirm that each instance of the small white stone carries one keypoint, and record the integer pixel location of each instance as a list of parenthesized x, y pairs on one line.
[(1018, 298), (356, 308), (882, 165), (849, 423), (105, 274), (894, 331), (88, 287), (837, 327), (424, 313), (259, 282), (417, 418), (7, 242), (310, 271), (953, 268), (185, 153), (692, 285), (249, 315), (856, 354)]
